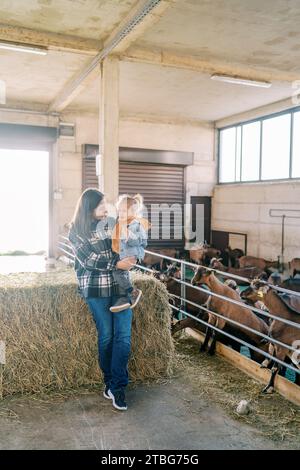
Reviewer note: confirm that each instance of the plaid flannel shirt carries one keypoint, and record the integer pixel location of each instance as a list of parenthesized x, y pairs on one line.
[(94, 262)]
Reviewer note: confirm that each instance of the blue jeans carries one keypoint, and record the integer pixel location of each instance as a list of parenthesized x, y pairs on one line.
[(114, 341)]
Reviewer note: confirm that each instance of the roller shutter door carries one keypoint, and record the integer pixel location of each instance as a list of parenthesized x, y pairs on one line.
[(159, 184), (89, 177)]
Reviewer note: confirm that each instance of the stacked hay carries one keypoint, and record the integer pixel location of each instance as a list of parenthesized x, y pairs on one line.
[(50, 337)]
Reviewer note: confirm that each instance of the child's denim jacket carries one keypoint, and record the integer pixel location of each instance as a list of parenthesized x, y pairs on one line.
[(136, 241)]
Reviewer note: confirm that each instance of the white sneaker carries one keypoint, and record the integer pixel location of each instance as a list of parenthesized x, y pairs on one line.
[(118, 400), (106, 393)]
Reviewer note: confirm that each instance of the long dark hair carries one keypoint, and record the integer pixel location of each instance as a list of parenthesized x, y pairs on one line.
[(83, 215)]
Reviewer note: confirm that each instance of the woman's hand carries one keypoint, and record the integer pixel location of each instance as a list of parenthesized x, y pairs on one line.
[(126, 263)]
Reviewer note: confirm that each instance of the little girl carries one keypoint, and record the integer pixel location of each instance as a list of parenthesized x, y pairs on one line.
[(129, 239)]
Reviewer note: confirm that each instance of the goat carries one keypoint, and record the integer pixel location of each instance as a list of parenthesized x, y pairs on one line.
[(229, 310), (250, 273), (294, 266), (231, 283), (174, 288), (197, 254), (156, 261), (260, 263), (197, 297), (278, 330), (202, 254), (234, 255), (191, 323), (291, 283)]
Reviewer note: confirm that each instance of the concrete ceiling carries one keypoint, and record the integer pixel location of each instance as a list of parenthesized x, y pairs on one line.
[(259, 37), (152, 90), (34, 79), (256, 33), (93, 19), (188, 94)]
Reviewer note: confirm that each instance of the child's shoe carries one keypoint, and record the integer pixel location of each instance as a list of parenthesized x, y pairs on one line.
[(121, 304), (135, 297)]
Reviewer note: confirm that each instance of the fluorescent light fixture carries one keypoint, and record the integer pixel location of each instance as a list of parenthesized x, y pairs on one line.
[(240, 81), (23, 48)]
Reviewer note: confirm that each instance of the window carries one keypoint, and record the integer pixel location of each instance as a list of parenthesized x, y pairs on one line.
[(238, 154), (276, 137), (227, 155), (251, 151), (296, 147), (261, 150)]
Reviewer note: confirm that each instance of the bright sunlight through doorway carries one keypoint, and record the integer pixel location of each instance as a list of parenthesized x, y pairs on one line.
[(24, 201)]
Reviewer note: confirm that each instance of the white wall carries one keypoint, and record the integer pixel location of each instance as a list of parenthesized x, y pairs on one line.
[(245, 207)]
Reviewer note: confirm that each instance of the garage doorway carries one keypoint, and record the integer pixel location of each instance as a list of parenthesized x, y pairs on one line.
[(24, 207)]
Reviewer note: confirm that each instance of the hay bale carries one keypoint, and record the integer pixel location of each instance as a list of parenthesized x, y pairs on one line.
[(50, 336)]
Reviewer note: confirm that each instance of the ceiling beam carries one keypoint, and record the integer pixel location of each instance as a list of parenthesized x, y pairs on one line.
[(189, 62), (142, 17), (53, 41), (164, 119)]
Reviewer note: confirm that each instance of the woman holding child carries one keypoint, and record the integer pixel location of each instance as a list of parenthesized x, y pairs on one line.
[(105, 251)]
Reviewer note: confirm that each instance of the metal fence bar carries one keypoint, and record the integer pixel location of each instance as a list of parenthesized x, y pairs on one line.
[(248, 328), (240, 304), (69, 255), (66, 246), (224, 273), (183, 293), (244, 343)]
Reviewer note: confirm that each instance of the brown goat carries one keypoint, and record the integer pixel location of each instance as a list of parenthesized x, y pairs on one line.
[(198, 297), (229, 310), (151, 260), (250, 272), (202, 254), (234, 256), (260, 263), (294, 266), (290, 283), (174, 288), (278, 330), (197, 255)]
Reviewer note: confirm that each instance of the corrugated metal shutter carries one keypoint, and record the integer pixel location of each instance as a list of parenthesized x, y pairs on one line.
[(158, 184), (89, 177)]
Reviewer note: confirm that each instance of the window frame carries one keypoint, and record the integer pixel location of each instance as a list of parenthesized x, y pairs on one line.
[(290, 111)]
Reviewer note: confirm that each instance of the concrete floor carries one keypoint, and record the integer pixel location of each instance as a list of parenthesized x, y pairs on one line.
[(167, 416)]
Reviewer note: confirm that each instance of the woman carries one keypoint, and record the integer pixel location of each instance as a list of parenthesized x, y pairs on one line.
[(94, 264)]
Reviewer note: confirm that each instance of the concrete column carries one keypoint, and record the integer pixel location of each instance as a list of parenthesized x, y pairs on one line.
[(109, 129)]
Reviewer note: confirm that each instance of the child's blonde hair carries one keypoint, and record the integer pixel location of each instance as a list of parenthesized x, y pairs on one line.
[(135, 202)]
